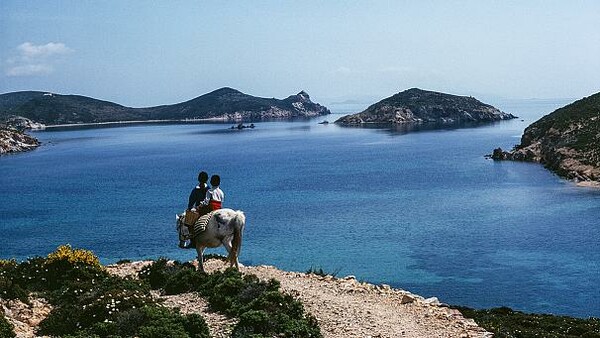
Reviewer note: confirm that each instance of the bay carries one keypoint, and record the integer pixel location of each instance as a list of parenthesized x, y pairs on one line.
[(422, 211)]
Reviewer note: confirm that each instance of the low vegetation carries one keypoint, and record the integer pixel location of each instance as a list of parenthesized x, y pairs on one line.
[(263, 311), (6, 328), (89, 302), (320, 272), (506, 323)]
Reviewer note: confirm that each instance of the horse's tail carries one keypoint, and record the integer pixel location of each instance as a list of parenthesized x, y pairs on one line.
[(238, 222)]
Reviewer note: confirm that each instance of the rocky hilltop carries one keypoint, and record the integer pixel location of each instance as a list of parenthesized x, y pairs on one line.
[(422, 106), (225, 103), (566, 141)]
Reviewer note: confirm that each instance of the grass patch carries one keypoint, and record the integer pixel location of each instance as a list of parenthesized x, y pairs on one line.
[(505, 322)]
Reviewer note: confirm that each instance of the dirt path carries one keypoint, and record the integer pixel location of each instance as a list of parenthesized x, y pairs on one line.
[(348, 308)]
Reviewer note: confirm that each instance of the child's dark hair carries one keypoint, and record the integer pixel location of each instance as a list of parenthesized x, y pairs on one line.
[(215, 180), (202, 177)]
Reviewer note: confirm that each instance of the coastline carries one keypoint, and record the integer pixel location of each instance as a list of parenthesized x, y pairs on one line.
[(68, 125)]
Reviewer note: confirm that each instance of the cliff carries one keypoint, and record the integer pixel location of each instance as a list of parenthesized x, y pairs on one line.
[(566, 141), (421, 106), (225, 103)]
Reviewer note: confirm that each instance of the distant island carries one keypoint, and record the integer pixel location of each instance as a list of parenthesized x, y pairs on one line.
[(225, 104), (421, 106), (567, 142), (20, 111)]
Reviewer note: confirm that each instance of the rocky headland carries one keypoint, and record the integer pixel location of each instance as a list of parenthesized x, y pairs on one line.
[(415, 106), (14, 141), (566, 141), (13, 138), (225, 104)]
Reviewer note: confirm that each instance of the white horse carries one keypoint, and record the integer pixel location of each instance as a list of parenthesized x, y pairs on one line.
[(225, 228)]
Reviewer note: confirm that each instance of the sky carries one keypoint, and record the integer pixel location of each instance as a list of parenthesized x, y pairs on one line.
[(145, 53)]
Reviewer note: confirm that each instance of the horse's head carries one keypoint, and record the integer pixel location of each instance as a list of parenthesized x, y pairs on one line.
[(179, 226)]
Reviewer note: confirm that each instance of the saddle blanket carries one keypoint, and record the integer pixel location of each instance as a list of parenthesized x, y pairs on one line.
[(201, 224)]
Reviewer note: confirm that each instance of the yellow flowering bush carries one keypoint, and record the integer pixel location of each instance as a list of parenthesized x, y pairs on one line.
[(73, 256)]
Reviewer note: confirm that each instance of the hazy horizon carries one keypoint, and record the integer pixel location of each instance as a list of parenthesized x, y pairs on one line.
[(145, 54)]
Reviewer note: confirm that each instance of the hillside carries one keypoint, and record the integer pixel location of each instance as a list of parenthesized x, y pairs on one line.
[(421, 106), (566, 141), (225, 103)]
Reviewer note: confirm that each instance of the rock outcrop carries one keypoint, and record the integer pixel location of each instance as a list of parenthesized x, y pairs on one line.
[(13, 140), (421, 106), (567, 141), (225, 104)]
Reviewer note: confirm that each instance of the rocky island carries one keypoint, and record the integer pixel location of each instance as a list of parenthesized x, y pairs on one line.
[(225, 104), (416, 106), (566, 141)]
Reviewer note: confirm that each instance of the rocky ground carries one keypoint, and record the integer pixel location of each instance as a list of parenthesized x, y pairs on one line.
[(344, 307), (25, 317)]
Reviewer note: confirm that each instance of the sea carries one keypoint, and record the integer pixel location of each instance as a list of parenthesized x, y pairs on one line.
[(421, 210)]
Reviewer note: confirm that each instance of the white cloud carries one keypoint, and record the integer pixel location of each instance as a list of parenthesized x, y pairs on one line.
[(32, 60), (29, 70), (29, 50)]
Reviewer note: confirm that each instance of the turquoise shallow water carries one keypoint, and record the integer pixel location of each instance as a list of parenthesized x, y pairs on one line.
[(422, 211)]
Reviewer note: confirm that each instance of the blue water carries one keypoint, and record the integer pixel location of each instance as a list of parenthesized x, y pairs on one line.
[(422, 211)]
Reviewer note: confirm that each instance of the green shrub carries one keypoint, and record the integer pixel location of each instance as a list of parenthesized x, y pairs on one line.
[(161, 322), (276, 302), (505, 323), (6, 328), (320, 272), (263, 310), (195, 326), (10, 290), (184, 280), (267, 324), (159, 272), (82, 308)]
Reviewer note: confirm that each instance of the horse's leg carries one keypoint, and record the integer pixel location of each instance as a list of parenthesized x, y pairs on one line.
[(232, 260), (200, 252), (232, 256)]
